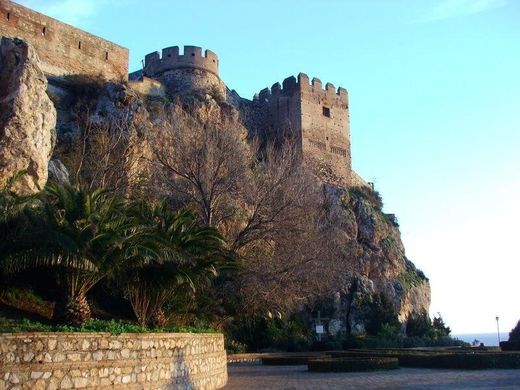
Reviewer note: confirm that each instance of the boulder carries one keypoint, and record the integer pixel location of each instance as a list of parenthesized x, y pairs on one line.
[(27, 118)]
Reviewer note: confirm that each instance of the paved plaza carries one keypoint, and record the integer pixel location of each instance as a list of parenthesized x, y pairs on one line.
[(255, 376)]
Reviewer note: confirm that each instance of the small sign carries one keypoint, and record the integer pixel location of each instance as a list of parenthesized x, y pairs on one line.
[(319, 329)]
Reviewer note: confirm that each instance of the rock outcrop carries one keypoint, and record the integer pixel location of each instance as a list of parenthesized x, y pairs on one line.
[(116, 129), (381, 265), (27, 118)]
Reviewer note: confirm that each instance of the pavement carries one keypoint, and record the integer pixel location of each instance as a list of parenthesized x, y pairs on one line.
[(258, 377)]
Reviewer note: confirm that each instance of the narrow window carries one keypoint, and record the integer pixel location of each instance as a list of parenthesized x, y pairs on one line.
[(326, 112), (106, 56), (79, 45), (193, 54), (8, 16), (44, 31)]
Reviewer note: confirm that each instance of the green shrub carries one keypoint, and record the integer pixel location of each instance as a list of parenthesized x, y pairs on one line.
[(440, 359), (259, 333), (288, 360), (352, 364), (94, 325), (378, 311), (419, 326), (514, 335), (367, 194), (352, 342), (510, 345), (470, 360), (326, 345)]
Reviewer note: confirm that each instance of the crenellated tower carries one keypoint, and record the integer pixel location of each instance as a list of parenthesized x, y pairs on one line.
[(316, 117), (190, 71)]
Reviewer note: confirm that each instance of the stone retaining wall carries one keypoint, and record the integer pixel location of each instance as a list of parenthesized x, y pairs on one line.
[(100, 360)]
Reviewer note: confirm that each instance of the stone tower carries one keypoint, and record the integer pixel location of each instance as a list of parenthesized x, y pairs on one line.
[(316, 118), (190, 71)]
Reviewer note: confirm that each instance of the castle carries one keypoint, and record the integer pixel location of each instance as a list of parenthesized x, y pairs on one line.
[(316, 117)]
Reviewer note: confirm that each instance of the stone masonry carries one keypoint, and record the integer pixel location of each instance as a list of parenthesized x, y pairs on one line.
[(101, 361), (63, 49), (192, 70), (315, 118)]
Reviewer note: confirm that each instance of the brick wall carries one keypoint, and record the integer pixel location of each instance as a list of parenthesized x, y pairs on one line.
[(63, 49), (100, 360)]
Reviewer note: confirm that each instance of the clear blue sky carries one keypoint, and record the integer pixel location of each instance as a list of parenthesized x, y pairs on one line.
[(434, 90)]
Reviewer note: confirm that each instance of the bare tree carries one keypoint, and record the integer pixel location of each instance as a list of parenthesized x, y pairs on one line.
[(105, 155), (204, 164), (266, 204)]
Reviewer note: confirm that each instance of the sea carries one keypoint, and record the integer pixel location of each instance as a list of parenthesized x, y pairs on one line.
[(489, 339)]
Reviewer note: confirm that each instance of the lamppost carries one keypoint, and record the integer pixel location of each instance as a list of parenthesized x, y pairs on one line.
[(498, 331)]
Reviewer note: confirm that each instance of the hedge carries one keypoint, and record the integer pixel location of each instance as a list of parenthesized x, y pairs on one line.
[(288, 360), (510, 345), (441, 359), (352, 364), (470, 361)]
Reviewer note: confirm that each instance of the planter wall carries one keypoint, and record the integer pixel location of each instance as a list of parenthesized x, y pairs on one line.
[(101, 360)]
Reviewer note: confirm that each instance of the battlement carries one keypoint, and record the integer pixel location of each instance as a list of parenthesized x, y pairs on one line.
[(301, 85), (157, 63), (63, 49)]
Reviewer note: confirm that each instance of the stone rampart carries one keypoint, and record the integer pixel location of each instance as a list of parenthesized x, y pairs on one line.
[(148, 86), (316, 117), (155, 64), (188, 72), (62, 48), (102, 361)]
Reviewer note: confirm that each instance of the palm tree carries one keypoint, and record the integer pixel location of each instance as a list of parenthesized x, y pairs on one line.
[(85, 235), (192, 255)]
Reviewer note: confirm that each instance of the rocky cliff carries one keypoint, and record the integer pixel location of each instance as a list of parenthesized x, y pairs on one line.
[(104, 136), (27, 118), (380, 264)]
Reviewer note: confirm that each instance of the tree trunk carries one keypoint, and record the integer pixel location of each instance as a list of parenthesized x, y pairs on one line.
[(158, 318), (73, 311)]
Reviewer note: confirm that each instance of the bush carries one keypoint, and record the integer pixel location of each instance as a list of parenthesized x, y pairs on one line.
[(352, 364), (352, 342), (377, 313), (94, 325), (367, 194), (514, 335), (470, 360), (419, 326), (441, 359), (289, 360), (258, 334), (510, 345), (327, 345)]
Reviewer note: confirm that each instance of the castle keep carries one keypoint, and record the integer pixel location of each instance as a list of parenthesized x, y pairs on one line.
[(316, 117)]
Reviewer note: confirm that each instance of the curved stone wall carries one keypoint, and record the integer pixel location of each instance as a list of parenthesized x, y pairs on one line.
[(100, 360), (187, 79)]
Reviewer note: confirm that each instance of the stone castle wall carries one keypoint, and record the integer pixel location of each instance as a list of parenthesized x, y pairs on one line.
[(102, 361), (316, 117), (63, 49), (190, 71), (148, 86)]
